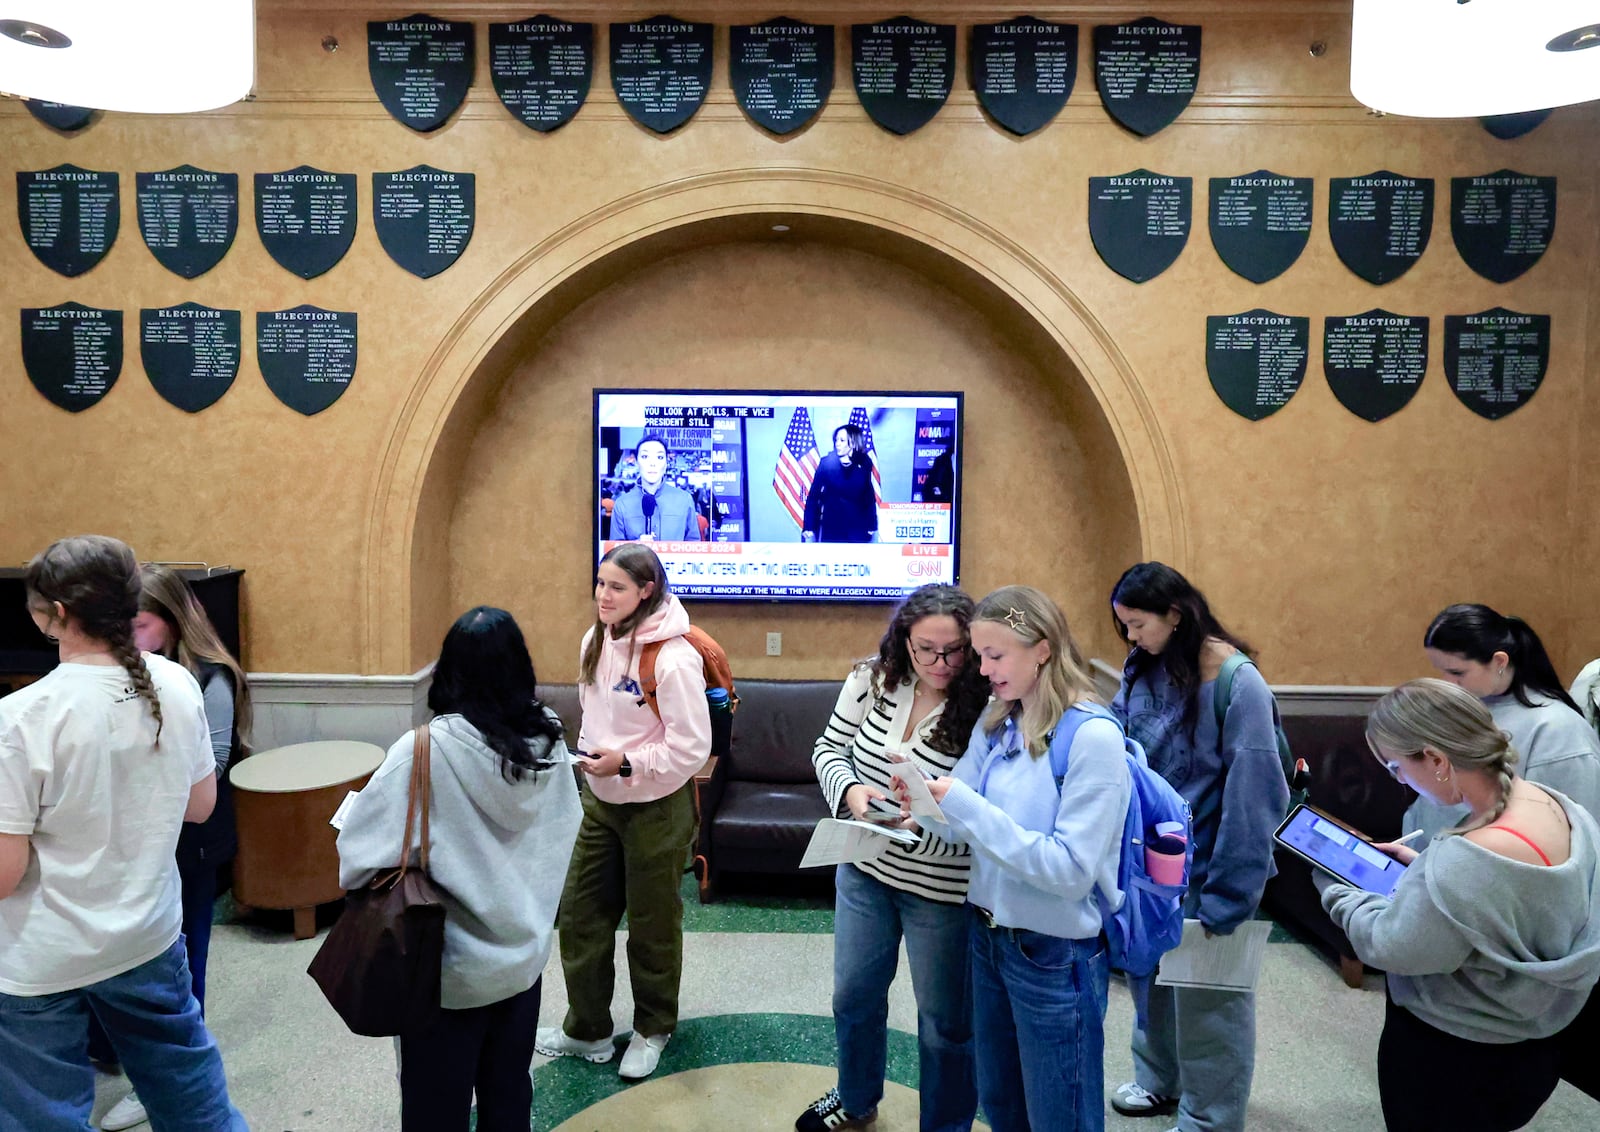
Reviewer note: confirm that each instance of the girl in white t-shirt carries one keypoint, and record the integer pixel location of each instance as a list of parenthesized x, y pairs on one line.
[(101, 762)]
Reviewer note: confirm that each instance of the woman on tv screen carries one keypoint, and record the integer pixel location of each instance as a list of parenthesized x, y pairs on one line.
[(657, 510), (841, 505)]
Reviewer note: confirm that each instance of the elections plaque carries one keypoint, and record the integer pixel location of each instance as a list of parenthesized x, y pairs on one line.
[(307, 355), (1509, 126), (69, 216), (1146, 71), (1257, 360), (1502, 222), (188, 217), (306, 218), (903, 70), (1375, 361), (1380, 224), (424, 216), (72, 353), (60, 116), (781, 71), (542, 69), (1140, 221), (1260, 222), (1023, 70), (190, 353), (421, 67), (1496, 359), (661, 70)]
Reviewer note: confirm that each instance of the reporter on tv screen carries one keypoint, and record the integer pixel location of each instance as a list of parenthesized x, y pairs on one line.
[(656, 510)]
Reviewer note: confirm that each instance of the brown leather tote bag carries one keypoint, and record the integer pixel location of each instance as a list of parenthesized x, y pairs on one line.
[(379, 967)]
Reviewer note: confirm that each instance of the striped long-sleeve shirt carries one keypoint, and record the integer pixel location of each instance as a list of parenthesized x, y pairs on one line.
[(856, 747)]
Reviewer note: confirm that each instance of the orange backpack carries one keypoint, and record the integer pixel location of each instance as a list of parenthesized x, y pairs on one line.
[(720, 695)]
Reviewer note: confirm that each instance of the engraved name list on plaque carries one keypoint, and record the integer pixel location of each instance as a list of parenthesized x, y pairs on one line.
[(1375, 361), (424, 216), (1380, 224), (1023, 70), (1260, 222), (188, 217), (1139, 221), (307, 355), (903, 70), (1256, 360), (421, 67), (69, 216), (306, 218), (1502, 222), (661, 70), (59, 115), (72, 353), (190, 353), (1496, 360), (542, 69), (1146, 71), (781, 72)]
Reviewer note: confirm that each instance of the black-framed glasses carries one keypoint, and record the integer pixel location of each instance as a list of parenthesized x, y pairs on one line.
[(954, 656)]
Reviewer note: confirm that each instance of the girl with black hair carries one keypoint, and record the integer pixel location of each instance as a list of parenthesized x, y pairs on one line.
[(1501, 660), (917, 700), (504, 814), (1196, 1056)]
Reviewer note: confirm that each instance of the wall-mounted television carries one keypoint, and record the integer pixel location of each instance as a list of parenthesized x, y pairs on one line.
[(756, 495)]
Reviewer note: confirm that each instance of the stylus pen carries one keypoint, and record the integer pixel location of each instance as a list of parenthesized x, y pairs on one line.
[(1412, 836)]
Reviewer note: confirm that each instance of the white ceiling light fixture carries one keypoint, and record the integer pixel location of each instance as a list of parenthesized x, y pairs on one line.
[(163, 57), (1474, 58)]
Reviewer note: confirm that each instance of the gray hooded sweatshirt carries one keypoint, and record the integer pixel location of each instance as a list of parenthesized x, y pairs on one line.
[(1482, 946), (499, 852)]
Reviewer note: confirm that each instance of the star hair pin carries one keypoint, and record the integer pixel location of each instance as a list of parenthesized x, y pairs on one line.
[(1015, 619)]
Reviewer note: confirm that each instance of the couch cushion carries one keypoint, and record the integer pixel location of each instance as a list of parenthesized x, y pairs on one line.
[(760, 815), (775, 728)]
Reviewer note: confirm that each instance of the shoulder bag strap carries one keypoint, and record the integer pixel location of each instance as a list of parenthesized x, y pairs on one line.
[(1224, 690), (420, 749)]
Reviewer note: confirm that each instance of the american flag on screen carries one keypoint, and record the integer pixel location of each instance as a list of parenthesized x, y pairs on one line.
[(858, 417), (797, 463)]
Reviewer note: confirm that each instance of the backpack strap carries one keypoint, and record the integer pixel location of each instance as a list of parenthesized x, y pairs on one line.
[(647, 675), (1067, 730), (1224, 691)]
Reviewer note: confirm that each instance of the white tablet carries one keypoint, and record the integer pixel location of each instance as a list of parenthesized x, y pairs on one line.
[(1334, 847)]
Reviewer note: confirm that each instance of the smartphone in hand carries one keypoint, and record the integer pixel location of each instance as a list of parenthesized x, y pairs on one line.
[(882, 812)]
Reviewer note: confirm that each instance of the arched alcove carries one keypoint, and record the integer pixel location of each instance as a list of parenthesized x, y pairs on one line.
[(688, 285)]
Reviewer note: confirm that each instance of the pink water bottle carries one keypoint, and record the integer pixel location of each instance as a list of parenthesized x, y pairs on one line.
[(1164, 857)]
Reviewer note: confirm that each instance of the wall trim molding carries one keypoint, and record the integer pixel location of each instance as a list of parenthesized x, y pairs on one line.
[(1293, 699)]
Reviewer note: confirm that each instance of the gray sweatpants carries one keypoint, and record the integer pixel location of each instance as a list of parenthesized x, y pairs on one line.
[(1200, 1047)]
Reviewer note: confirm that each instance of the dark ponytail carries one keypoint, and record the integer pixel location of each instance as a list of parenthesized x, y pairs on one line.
[(1478, 632)]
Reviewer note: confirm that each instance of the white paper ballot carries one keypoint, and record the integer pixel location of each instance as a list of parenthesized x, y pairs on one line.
[(1224, 962), (922, 803), (835, 842), (337, 820)]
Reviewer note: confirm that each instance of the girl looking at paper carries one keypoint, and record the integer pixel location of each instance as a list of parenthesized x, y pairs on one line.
[(916, 700), (1491, 939), (1040, 846)]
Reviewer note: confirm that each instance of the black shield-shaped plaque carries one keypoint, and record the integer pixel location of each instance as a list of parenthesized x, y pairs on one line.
[(1496, 360), (424, 216), (190, 352), (69, 216), (1260, 222), (781, 71), (307, 355), (903, 70), (1375, 362), (1380, 223), (1023, 70), (661, 70), (72, 353), (1257, 360), (1140, 221), (421, 68), (542, 69), (60, 116), (1508, 126), (1146, 71), (188, 217), (306, 218), (1502, 223)]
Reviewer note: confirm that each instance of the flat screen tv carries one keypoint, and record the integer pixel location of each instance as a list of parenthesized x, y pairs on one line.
[(755, 495)]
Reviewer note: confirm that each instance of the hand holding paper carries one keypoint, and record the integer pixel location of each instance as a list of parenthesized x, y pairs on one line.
[(916, 793)]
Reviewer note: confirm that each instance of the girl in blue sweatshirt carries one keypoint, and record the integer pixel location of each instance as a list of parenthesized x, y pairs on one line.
[(1197, 1055)]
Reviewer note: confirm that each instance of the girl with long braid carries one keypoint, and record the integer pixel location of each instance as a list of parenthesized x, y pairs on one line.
[(101, 763), (1491, 939)]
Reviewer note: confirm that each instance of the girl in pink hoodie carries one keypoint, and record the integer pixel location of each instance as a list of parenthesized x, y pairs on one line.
[(638, 814)]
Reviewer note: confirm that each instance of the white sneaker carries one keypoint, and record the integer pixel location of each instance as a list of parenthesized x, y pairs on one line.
[(552, 1041), (642, 1056), (126, 1113)]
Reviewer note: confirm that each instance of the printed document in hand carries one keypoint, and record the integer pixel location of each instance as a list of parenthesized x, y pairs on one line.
[(1223, 962), (835, 841), (922, 803)]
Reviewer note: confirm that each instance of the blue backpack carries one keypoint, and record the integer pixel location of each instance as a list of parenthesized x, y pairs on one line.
[(1150, 922)]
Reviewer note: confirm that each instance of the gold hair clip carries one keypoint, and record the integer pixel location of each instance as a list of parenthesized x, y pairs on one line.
[(1015, 619)]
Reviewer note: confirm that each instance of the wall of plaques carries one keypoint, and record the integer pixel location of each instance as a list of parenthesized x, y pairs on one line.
[(1021, 73)]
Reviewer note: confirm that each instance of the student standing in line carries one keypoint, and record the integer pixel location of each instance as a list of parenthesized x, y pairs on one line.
[(101, 763), (1502, 661), (1491, 940), (917, 699), (172, 622), (1197, 1055), (1040, 847), (503, 813), (638, 814)]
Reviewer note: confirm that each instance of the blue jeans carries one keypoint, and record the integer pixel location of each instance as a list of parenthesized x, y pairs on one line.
[(155, 1025), (1039, 1011), (869, 918)]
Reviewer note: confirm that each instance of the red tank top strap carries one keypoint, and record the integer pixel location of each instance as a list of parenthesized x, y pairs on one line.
[(1522, 837)]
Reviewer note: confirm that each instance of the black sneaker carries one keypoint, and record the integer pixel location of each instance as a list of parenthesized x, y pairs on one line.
[(1131, 1100), (827, 1114)]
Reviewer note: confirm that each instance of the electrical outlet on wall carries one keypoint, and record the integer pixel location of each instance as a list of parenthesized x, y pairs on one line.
[(774, 644)]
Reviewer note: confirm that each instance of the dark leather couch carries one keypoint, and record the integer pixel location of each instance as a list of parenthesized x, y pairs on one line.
[(1350, 784)]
